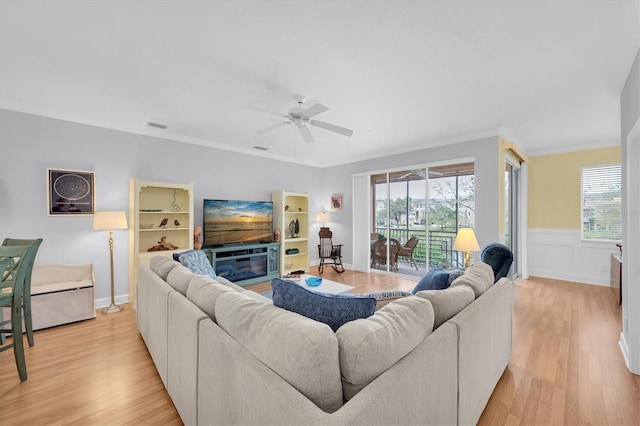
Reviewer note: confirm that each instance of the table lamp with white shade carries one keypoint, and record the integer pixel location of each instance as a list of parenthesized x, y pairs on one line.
[(323, 218), (108, 221), (466, 242)]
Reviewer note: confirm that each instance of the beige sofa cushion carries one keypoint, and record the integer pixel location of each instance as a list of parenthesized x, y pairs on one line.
[(478, 276), (370, 346), (179, 278), (302, 351), (448, 302), (223, 280), (162, 265), (257, 296), (203, 292)]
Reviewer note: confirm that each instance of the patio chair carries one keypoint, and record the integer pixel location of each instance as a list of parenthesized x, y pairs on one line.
[(379, 253), (407, 250)]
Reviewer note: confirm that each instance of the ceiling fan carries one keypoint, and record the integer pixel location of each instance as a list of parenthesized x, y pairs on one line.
[(301, 117)]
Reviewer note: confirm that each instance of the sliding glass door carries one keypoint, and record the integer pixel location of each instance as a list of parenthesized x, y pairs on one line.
[(398, 238), (511, 209), (416, 214)]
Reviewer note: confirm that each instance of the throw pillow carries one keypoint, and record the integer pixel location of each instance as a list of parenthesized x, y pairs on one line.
[(198, 262), (436, 279), (499, 257), (331, 309), (176, 256)]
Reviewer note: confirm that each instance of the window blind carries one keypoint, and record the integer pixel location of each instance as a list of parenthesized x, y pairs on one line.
[(601, 194)]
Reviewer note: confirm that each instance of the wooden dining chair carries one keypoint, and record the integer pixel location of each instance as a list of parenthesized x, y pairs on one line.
[(26, 296), (13, 272)]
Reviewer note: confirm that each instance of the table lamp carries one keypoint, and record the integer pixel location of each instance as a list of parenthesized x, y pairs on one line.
[(323, 217), (466, 242), (108, 221)]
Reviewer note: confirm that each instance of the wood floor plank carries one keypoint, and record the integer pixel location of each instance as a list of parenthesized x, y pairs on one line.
[(566, 366)]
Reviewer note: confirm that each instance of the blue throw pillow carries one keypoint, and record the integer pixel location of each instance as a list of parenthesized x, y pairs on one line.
[(436, 279), (176, 256), (331, 309), (197, 262), (499, 257)]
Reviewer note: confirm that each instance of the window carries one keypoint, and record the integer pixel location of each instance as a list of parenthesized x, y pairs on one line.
[(602, 203)]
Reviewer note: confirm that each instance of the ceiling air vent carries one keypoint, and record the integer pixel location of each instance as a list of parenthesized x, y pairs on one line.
[(158, 125)]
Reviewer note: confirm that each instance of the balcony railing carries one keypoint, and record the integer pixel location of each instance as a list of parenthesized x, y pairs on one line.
[(438, 250)]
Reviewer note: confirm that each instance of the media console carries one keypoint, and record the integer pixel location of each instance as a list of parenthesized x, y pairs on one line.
[(245, 264)]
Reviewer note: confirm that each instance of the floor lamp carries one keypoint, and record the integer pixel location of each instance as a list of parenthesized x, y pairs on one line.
[(466, 242), (108, 221)]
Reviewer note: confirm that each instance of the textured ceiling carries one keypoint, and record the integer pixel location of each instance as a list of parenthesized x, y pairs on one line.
[(403, 75)]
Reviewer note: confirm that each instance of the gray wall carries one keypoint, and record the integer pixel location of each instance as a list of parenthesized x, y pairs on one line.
[(31, 143), (34, 143), (338, 180)]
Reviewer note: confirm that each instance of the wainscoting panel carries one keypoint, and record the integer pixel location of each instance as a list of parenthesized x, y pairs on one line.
[(561, 254)]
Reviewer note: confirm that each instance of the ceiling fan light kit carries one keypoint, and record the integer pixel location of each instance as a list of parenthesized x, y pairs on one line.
[(301, 117)]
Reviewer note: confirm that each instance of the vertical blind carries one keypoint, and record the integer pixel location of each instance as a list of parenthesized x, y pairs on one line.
[(601, 194)]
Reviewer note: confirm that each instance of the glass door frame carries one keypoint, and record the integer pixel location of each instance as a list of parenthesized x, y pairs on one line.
[(513, 208)]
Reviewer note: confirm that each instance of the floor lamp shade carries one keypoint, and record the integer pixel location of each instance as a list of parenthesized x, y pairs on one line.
[(108, 221), (466, 242)]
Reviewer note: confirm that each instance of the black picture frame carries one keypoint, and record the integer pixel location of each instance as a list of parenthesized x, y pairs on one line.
[(70, 192)]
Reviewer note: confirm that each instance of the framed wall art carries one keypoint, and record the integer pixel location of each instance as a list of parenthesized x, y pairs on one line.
[(70, 192), (336, 201)]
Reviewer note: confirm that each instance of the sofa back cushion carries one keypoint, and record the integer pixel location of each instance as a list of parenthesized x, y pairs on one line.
[(179, 278), (302, 351), (448, 302), (203, 291), (331, 309), (478, 276), (162, 265), (369, 347)]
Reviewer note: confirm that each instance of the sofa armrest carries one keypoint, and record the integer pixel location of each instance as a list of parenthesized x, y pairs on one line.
[(484, 347), (152, 316)]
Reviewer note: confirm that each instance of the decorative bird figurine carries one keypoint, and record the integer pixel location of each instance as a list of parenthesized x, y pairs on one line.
[(176, 223), (163, 223)]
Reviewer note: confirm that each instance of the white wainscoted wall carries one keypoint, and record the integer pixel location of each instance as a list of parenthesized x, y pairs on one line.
[(563, 255)]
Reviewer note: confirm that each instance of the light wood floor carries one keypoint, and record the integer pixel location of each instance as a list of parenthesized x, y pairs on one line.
[(566, 366)]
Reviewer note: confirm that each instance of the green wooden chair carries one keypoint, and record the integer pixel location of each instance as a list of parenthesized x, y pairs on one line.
[(13, 273), (26, 297)]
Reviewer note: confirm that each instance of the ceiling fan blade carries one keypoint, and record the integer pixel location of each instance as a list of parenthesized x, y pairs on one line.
[(314, 110), (306, 134), (331, 127), (272, 127)]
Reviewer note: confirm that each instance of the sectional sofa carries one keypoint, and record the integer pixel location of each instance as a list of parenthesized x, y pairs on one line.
[(229, 356)]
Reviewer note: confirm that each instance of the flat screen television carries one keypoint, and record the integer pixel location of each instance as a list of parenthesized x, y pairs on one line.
[(237, 221)]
